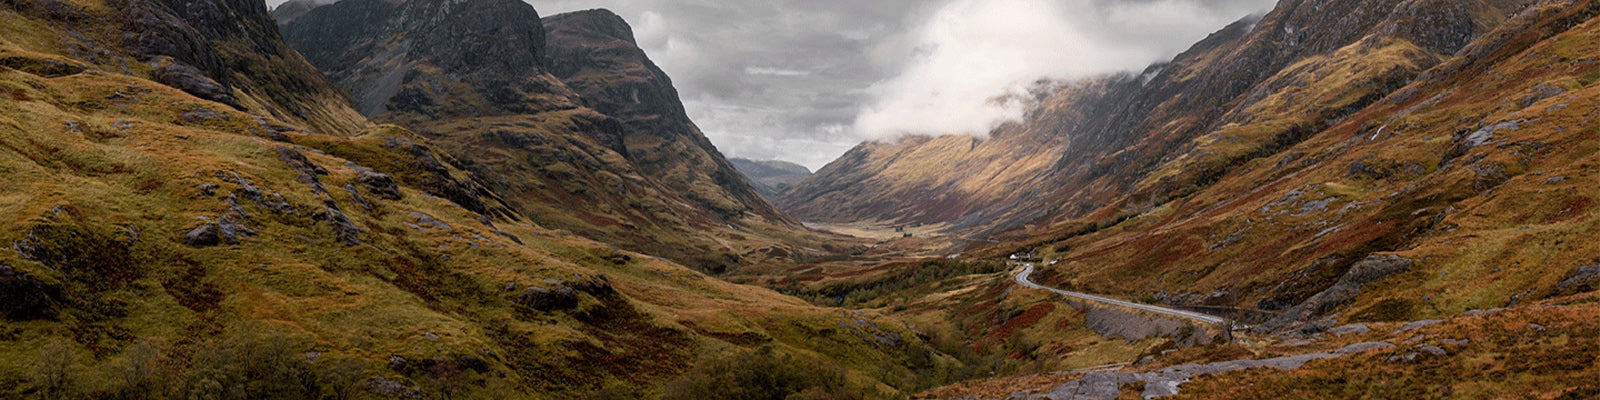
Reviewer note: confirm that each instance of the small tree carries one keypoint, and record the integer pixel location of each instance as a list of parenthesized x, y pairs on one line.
[(55, 374), (143, 372), (340, 381)]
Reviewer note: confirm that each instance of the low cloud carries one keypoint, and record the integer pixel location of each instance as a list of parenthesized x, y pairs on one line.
[(971, 53), (806, 80)]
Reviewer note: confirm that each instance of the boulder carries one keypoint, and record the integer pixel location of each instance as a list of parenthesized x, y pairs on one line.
[(380, 185), (556, 294), (1434, 350), (392, 388), (191, 80), (204, 236), (429, 221), (557, 297)]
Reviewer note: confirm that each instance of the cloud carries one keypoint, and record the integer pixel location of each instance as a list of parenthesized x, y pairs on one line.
[(970, 53), (806, 80), (774, 71)]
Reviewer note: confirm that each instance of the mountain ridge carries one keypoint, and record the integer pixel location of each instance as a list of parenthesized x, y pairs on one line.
[(638, 173), (770, 177)]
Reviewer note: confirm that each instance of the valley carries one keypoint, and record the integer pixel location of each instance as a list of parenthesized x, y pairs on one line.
[(374, 199)]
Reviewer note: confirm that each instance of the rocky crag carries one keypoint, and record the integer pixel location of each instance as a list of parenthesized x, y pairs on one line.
[(565, 116)]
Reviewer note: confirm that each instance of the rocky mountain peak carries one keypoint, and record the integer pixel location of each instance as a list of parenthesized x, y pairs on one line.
[(493, 45), (597, 22), (594, 53)]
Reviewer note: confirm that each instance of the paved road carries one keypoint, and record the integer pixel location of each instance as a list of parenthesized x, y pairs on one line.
[(1022, 278)]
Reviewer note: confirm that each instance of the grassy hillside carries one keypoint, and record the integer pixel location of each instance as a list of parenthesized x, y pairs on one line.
[(1330, 167), (167, 246), (1481, 172)]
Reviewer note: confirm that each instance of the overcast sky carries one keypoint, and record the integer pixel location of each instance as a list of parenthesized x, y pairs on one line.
[(806, 80)]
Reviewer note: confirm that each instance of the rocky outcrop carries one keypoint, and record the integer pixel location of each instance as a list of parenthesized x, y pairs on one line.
[(189, 79), (1371, 269), (380, 185), (555, 294), (181, 40), (1583, 279)]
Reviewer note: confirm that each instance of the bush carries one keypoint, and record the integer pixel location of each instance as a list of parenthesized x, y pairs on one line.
[(55, 375), (762, 374)]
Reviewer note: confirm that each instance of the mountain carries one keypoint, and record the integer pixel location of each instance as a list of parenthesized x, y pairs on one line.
[(594, 53), (193, 211), (1417, 177), (1280, 159), (770, 177), (957, 179), (568, 119), (292, 9), (180, 44), (1108, 141)]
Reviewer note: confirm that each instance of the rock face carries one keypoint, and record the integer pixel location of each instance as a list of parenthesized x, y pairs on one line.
[(179, 39), (576, 129), (770, 178), (494, 47), (594, 53), (1371, 269)]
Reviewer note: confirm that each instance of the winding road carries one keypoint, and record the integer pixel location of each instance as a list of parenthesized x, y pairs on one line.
[(1022, 279)]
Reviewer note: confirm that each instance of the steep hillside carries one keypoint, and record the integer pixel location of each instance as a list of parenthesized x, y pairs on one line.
[(1245, 84), (955, 178), (1332, 163), (615, 160), (1472, 185), (168, 245), (770, 177), (225, 51), (594, 53)]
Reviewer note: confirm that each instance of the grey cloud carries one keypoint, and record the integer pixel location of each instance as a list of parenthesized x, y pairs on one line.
[(793, 79)]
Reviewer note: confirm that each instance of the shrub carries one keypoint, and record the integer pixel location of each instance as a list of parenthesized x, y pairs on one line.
[(762, 374), (55, 375)]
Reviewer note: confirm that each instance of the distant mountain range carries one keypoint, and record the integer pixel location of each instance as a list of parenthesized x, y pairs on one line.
[(772, 177)]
